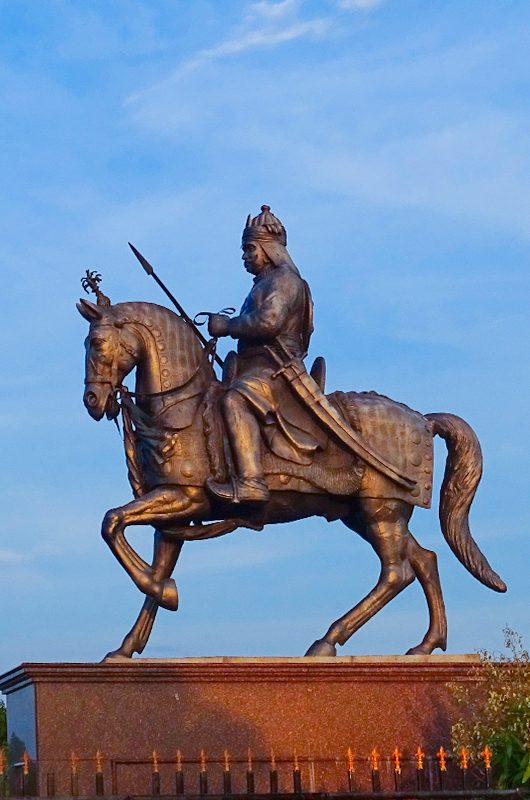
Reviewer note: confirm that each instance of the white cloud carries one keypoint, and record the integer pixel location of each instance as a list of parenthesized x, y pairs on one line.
[(273, 10), (449, 170), (29, 556), (359, 5), (264, 37), (326, 125), (12, 557), (265, 25), (146, 216)]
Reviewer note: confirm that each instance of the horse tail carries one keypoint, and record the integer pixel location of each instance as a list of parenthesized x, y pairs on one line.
[(463, 471)]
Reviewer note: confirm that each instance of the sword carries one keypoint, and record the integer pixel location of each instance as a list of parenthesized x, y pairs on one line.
[(188, 320)]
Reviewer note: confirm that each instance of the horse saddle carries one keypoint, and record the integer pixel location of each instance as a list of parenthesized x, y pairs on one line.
[(297, 455)]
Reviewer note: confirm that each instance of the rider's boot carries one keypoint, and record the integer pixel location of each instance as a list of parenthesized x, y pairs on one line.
[(245, 438)]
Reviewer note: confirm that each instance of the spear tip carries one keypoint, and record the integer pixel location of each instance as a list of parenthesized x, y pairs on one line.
[(143, 261)]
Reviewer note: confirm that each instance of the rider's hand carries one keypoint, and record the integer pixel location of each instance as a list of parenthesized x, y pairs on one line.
[(218, 325)]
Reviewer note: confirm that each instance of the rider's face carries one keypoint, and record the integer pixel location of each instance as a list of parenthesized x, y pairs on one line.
[(254, 258)]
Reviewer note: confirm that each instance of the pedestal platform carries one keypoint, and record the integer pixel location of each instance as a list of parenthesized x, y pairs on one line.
[(316, 707)]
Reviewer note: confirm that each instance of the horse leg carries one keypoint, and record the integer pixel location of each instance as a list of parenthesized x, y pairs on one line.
[(383, 523), (165, 556), (424, 564), (162, 507)]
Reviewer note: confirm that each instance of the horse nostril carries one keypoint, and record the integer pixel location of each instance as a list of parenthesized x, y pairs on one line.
[(91, 399)]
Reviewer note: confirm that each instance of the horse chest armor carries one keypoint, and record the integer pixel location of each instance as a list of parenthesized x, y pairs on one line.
[(175, 456)]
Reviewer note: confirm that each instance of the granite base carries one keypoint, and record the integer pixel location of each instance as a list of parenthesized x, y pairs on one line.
[(316, 707)]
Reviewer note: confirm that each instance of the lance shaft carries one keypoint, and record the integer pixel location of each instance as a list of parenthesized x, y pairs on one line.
[(188, 320)]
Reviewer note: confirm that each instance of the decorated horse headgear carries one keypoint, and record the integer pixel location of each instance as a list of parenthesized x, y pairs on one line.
[(90, 283)]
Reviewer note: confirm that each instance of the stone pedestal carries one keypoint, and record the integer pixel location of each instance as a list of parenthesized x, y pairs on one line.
[(316, 707)]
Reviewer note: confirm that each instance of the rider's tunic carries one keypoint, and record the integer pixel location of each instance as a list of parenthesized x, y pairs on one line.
[(278, 310)]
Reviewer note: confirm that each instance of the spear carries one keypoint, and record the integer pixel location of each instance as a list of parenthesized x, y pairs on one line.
[(187, 319)]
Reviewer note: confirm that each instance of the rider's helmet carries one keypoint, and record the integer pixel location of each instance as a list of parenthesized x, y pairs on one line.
[(267, 231)]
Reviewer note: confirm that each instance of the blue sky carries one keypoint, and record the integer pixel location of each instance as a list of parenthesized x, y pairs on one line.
[(391, 137)]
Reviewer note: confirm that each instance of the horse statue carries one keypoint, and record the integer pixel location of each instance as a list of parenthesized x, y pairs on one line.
[(175, 443)]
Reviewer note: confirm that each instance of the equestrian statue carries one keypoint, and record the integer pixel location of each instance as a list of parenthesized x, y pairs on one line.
[(264, 443)]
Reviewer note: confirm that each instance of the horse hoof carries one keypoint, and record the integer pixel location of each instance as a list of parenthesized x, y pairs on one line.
[(168, 597), (423, 649), (322, 648), (114, 656)]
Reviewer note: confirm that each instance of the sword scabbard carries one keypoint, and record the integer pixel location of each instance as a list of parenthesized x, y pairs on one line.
[(308, 391)]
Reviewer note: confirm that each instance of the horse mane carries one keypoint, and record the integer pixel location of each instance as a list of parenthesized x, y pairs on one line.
[(179, 350)]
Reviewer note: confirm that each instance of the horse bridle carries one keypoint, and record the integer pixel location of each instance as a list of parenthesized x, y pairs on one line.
[(208, 353)]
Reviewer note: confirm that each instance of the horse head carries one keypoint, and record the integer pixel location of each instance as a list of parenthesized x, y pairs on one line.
[(143, 335), (111, 353)]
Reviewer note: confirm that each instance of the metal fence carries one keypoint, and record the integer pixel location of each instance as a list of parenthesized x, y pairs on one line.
[(372, 777)]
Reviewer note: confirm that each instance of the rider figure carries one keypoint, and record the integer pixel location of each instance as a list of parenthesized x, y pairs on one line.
[(277, 314)]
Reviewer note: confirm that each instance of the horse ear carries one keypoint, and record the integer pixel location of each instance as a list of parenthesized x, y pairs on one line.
[(88, 310)]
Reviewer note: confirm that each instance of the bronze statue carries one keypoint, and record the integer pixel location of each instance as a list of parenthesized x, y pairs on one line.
[(265, 444)]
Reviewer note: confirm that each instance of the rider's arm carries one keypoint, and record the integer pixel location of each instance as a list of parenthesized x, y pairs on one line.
[(270, 311)]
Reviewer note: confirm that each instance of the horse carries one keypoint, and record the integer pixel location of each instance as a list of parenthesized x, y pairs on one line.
[(174, 443)]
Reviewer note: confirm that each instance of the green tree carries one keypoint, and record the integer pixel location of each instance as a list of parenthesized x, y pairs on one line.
[(496, 712)]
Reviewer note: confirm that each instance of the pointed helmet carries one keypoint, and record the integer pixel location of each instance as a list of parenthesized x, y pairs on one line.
[(267, 231), (264, 227)]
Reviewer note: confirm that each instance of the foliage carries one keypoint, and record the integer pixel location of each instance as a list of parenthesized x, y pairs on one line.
[(496, 712)]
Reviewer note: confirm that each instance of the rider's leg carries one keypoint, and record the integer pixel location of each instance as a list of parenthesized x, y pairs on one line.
[(245, 442)]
